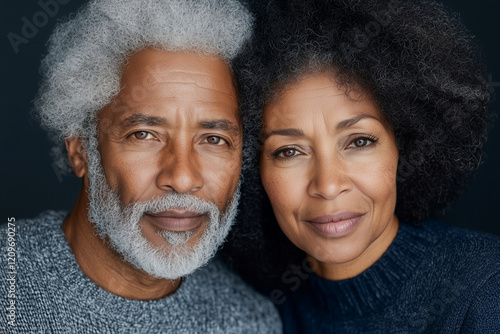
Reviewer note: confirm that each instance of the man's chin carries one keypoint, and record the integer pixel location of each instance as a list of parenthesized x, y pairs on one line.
[(171, 255)]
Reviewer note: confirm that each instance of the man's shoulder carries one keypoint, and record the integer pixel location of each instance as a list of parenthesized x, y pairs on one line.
[(44, 224), (223, 279), (28, 235), (226, 293), (33, 245), (33, 248), (219, 277)]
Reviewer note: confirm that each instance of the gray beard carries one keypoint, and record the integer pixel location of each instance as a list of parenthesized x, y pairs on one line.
[(121, 225)]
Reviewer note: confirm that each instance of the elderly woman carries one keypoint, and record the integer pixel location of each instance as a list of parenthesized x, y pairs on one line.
[(365, 117)]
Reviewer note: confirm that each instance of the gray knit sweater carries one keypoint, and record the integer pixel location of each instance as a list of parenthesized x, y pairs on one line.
[(43, 290)]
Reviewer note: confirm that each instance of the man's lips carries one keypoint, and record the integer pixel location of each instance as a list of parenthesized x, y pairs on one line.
[(176, 220), (335, 225)]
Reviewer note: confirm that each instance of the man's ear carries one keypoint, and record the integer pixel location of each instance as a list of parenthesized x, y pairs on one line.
[(77, 156)]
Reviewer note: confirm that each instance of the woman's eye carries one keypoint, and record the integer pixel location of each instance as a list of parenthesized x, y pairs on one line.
[(289, 153), (142, 135), (215, 140), (362, 142), (286, 153)]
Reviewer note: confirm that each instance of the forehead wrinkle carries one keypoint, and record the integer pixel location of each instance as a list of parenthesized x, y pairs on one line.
[(187, 77), (197, 84), (307, 93)]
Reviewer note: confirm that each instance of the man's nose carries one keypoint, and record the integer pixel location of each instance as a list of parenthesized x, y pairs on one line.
[(180, 170)]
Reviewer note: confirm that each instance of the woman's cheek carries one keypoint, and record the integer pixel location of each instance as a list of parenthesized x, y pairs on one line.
[(285, 192)]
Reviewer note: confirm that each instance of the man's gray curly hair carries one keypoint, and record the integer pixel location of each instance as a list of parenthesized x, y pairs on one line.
[(82, 69)]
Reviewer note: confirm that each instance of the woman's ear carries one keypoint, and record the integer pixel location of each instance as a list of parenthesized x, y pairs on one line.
[(77, 156)]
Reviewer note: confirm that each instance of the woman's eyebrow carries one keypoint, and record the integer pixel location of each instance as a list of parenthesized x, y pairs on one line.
[(351, 121), (285, 132), (299, 133)]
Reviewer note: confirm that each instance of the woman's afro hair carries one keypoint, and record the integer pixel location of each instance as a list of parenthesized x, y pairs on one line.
[(415, 60)]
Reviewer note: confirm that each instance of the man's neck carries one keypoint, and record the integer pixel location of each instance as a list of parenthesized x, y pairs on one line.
[(104, 266)]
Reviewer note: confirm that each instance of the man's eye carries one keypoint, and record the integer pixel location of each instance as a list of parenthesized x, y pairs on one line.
[(215, 140), (142, 135)]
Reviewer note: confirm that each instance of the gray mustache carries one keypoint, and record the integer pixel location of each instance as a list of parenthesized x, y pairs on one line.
[(174, 201)]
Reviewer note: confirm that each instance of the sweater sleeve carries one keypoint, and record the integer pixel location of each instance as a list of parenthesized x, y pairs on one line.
[(483, 316)]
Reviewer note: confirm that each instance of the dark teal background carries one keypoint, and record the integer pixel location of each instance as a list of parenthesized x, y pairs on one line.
[(30, 185)]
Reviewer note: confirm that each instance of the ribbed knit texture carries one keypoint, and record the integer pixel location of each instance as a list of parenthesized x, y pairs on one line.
[(432, 279), (54, 296)]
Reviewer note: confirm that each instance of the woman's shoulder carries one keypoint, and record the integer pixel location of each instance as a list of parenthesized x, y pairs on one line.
[(474, 261), (459, 272), (455, 241), (465, 254)]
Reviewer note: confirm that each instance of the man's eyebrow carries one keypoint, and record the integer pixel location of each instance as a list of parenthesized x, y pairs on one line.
[(285, 132), (141, 119), (351, 121), (222, 124)]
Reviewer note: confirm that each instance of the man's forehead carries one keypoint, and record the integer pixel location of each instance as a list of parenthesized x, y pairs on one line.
[(159, 84), (202, 117), (158, 73), (150, 67)]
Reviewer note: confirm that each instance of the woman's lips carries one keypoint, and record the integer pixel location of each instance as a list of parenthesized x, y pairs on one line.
[(176, 220), (336, 225)]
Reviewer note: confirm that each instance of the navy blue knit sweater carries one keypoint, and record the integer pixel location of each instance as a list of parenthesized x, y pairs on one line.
[(432, 279)]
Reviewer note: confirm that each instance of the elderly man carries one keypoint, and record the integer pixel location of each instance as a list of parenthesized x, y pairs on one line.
[(142, 93)]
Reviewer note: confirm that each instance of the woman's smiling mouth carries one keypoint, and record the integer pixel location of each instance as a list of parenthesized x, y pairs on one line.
[(336, 225)]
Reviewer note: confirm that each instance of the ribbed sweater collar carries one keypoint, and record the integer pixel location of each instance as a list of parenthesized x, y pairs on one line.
[(375, 287)]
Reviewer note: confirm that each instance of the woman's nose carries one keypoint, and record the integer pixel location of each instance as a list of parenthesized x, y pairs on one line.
[(328, 177)]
